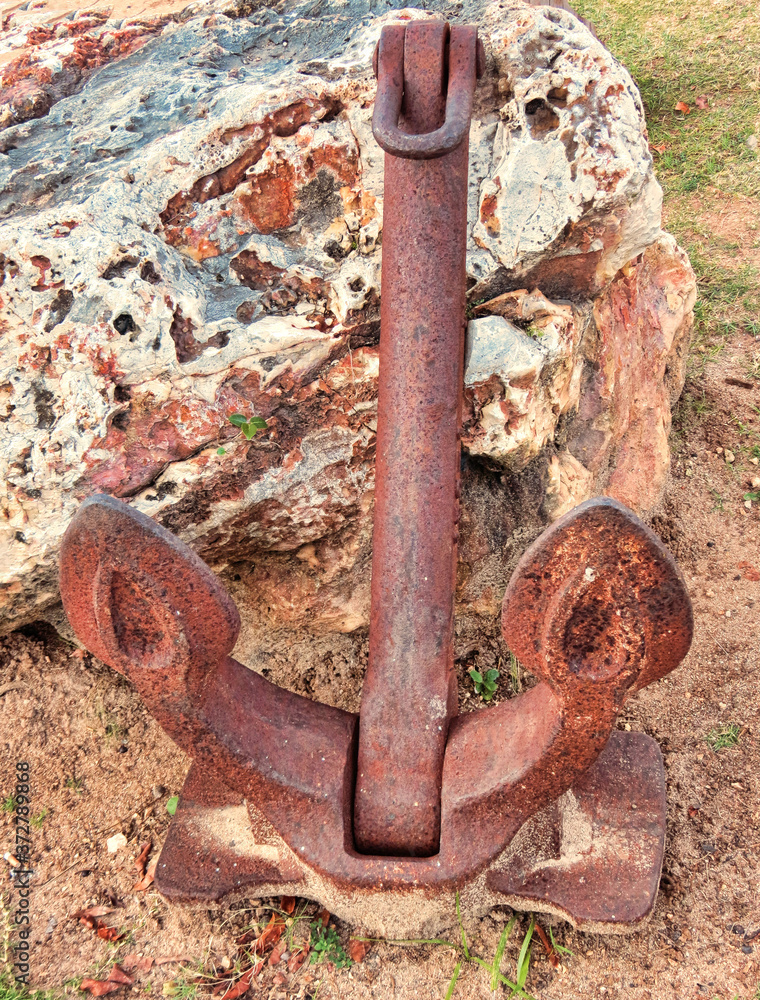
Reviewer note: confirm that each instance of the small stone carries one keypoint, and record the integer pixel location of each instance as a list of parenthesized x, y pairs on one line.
[(752, 142), (755, 482), (729, 455), (755, 461), (728, 614), (718, 451), (721, 704), (748, 504), (116, 843), (157, 791), (710, 593)]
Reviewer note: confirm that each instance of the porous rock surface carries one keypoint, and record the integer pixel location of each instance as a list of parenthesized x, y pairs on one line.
[(191, 227)]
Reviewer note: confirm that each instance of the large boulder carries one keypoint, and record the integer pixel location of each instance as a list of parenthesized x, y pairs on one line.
[(193, 229)]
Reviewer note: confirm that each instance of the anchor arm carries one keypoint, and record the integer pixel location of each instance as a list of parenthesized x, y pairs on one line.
[(143, 602)]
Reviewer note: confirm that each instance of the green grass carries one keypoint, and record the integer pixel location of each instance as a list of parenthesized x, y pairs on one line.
[(38, 820), (12, 990), (326, 946), (723, 736), (681, 52)]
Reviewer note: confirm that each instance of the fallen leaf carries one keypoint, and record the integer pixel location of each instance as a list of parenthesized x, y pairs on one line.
[(278, 979), (99, 987), (148, 879), (270, 935), (357, 950), (90, 919), (659, 149), (142, 858), (137, 963), (681, 106), (247, 937), (288, 904), (107, 933), (324, 916), (242, 985), (118, 975), (749, 572), (276, 955), (298, 958), (171, 805), (692, 811), (93, 911), (702, 102)]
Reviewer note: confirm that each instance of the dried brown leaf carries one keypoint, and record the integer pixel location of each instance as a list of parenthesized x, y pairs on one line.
[(142, 858), (118, 975), (242, 985), (108, 933), (324, 916), (99, 987), (298, 958), (270, 935), (137, 963), (148, 879), (93, 911), (702, 102), (288, 904), (683, 108), (357, 950), (276, 955)]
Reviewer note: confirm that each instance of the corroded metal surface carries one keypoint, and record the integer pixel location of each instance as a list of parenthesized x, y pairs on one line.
[(409, 693), (408, 799)]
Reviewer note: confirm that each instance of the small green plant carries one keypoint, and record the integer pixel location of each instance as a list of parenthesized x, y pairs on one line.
[(718, 501), (485, 684), (171, 805), (723, 736), (248, 425), (38, 820), (754, 496), (75, 784), (8, 804), (559, 948), (187, 983), (326, 946)]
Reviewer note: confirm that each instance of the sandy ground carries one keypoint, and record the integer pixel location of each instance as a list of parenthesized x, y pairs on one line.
[(100, 765)]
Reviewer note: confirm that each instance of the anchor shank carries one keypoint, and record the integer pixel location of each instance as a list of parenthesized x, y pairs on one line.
[(409, 694)]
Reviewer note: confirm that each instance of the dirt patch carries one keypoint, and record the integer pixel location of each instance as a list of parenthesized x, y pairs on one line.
[(728, 224), (101, 765)]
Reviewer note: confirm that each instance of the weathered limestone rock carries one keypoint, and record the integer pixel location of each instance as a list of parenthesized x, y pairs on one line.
[(194, 229)]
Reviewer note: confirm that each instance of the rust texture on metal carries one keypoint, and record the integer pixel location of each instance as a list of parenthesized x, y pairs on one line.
[(285, 792), (409, 694)]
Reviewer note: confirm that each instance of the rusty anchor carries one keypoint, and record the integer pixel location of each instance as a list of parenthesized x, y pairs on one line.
[(537, 802)]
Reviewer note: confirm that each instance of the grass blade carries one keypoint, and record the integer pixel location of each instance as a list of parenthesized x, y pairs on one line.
[(453, 983), (523, 960), (461, 928), (500, 953)]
